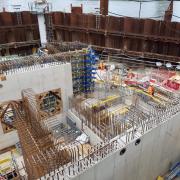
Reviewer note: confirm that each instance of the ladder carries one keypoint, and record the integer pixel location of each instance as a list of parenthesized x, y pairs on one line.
[(49, 26), (19, 18), (98, 19)]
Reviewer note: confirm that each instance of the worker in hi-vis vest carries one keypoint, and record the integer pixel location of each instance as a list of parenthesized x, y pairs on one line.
[(151, 90)]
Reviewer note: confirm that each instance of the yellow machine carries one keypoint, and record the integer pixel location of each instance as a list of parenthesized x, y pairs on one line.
[(160, 178), (108, 99)]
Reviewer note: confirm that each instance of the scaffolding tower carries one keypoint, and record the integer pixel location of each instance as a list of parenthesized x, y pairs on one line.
[(83, 72)]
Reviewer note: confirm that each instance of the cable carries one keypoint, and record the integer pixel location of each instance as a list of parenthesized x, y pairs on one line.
[(141, 17), (117, 14), (120, 15), (139, 1), (153, 17), (176, 16)]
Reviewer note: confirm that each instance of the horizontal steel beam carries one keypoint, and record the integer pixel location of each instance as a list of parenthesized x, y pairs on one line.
[(151, 56), (19, 44), (26, 26), (119, 33)]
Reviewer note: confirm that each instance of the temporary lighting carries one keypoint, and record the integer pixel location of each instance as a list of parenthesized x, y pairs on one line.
[(168, 65), (159, 64), (178, 67)]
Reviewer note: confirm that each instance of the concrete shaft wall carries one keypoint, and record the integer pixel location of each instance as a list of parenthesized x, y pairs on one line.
[(152, 157), (8, 139), (40, 80)]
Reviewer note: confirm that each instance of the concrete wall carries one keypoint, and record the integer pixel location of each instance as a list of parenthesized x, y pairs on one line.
[(152, 157), (8, 139), (40, 80), (94, 139)]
